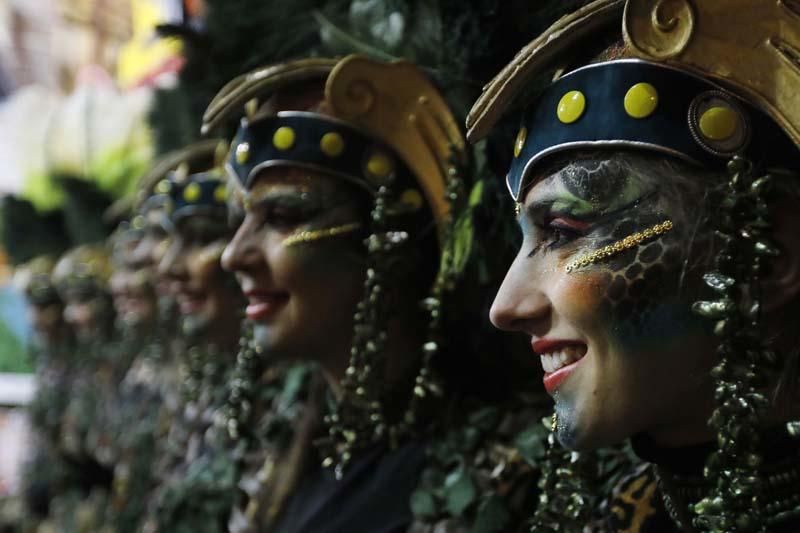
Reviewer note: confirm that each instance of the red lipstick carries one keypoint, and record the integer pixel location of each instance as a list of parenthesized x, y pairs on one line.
[(553, 380), (575, 351), (264, 304)]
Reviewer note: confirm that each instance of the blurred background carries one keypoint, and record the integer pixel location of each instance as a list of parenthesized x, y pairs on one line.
[(92, 92), (77, 79)]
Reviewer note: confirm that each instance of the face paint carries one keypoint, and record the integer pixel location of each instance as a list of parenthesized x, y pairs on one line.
[(301, 298), (309, 236), (47, 323), (131, 284), (617, 325), (204, 294), (87, 316), (631, 241)]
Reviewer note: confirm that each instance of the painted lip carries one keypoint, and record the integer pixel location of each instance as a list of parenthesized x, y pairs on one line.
[(553, 380), (129, 305), (189, 301), (262, 305)]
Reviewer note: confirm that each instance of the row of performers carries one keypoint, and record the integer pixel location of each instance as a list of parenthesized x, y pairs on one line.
[(655, 282)]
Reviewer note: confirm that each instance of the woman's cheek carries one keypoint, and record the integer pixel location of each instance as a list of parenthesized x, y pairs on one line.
[(309, 263), (580, 297), (645, 301), (204, 263)]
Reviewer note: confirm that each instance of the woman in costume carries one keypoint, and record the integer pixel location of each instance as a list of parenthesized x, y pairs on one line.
[(44, 306), (655, 179), (147, 397), (52, 351), (81, 277), (86, 438), (193, 492), (346, 174)]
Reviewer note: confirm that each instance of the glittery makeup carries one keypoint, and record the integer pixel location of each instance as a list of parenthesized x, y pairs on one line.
[(284, 269), (631, 241), (615, 333), (587, 214), (309, 236)]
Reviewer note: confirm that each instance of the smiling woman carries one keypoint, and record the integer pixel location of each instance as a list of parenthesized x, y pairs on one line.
[(206, 296), (297, 235), (592, 320), (344, 174), (185, 227), (657, 191)]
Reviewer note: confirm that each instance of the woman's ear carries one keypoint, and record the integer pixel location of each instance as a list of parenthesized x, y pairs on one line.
[(781, 282)]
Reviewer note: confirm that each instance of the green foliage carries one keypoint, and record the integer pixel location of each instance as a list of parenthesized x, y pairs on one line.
[(423, 503), (531, 443), (294, 385), (13, 356), (199, 501), (492, 516), (459, 491), (470, 482)]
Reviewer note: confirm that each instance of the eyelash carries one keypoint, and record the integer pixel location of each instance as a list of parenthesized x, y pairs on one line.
[(203, 236), (557, 235), (283, 217)]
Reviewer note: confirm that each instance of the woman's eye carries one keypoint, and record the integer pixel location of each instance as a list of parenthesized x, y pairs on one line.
[(283, 217), (557, 232)]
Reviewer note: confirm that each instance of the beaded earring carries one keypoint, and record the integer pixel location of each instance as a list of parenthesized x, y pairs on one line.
[(565, 494), (359, 421), (249, 366), (736, 500)]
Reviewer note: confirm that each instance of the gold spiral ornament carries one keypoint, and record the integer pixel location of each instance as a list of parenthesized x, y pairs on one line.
[(659, 29), (352, 99)]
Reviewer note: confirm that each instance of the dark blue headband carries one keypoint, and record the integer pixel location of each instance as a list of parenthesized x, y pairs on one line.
[(201, 193), (311, 140), (642, 105)]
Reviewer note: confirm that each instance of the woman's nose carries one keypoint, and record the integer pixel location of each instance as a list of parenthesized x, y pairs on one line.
[(520, 303), (172, 265), (241, 253)]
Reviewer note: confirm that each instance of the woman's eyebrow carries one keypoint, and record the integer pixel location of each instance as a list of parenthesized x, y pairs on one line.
[(537, 209)]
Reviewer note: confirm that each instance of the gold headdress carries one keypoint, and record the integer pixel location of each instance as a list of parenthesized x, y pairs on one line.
[(750, 46), (714, 83), (380, 118), (34, 279), (85, 269), (385, 128)]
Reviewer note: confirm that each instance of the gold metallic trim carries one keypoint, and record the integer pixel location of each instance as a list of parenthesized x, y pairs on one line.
[(318, 234), (631, 241)]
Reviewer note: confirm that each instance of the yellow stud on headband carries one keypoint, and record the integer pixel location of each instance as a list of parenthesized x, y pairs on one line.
[(620, 246), (303, 237)]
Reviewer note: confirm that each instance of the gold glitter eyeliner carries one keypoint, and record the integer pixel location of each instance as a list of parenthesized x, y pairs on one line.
[(620, 246), (318, 234)]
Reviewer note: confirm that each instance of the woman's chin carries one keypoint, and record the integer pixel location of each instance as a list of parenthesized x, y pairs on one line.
[(581, 439), (579, 432)]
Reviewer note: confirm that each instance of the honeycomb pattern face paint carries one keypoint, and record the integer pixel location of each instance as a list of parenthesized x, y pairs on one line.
[(605, 203), (629, 312)]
